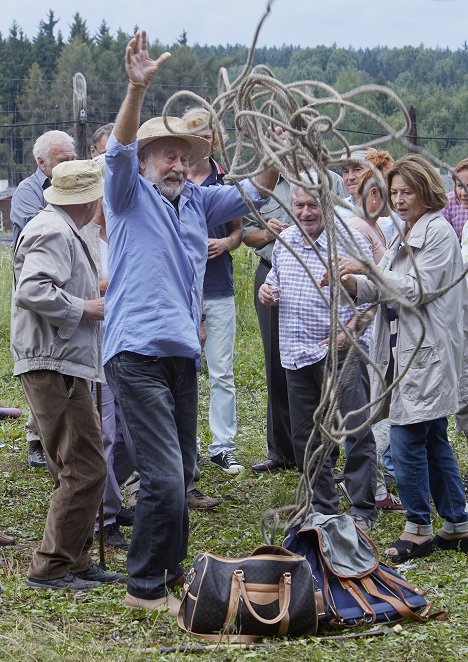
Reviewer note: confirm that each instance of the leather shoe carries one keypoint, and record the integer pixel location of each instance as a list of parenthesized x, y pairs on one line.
[(9, 412), (6, 540), (167, 603), (270, 466)]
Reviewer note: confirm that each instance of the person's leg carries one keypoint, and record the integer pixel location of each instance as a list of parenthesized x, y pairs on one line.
[(279, 439), (123, 466), (35, 451), (360, 469), (408, 444), (219, 351), (112, 499), (149, 390), (119, 467), (305, 386), (381, 431), (75, 459), (445, 482)]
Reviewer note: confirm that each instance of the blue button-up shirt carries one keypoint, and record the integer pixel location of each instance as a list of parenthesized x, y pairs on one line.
[(157, 257), (304, 318), (26, 200)]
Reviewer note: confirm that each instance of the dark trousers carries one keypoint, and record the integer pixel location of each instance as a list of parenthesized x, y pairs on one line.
[(360, 470), (158, 399), (68, 423), (119, 466), (278, 423)]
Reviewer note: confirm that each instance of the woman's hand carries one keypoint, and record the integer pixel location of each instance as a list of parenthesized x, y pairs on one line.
[(346, 266), (349, 266)]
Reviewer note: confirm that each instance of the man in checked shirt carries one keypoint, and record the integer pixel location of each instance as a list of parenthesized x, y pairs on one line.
[(304, 328)]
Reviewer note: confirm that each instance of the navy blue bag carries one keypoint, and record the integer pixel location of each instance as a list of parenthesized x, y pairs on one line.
[(356, 588)]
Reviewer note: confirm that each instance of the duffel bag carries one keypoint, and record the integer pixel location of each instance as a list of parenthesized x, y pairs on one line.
[(270, 593)]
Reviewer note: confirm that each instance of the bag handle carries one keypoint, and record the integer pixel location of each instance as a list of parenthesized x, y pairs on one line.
[(285, 579)]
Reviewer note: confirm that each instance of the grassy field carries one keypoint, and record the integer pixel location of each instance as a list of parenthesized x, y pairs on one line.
[(48, 626)]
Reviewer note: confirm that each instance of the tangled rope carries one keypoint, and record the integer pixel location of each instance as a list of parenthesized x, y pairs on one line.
[(311, 113)]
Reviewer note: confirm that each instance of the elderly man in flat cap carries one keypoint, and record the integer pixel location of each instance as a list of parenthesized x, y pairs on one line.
[(56, 310), (158, 244)]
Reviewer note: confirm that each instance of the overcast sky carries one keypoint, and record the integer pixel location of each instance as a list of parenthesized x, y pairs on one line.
[(300, 22)]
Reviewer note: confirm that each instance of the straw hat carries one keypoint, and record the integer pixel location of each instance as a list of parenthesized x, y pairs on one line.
[(155, 128), (100, 159), (75, 183)]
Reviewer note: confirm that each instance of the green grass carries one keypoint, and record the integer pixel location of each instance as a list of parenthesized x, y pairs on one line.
[(53, 626)]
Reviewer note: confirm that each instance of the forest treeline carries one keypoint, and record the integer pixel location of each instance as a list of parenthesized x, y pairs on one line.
[(36, 92)]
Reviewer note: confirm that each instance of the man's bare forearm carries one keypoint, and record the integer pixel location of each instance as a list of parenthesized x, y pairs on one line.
[(128, 119)]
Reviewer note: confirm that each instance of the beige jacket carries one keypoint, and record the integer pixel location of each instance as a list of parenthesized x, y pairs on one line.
[(53, 275), (429, 389)]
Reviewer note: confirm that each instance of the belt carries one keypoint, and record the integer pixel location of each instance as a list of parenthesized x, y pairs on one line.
[(266, 263)]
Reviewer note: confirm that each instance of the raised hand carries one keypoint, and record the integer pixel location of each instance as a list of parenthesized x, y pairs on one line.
[(141, 69)]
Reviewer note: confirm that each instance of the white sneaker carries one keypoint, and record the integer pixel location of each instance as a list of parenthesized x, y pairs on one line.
[(225, 461), (167, 603)]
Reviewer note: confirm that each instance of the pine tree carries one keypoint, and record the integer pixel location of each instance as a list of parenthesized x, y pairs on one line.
[(46, 47)]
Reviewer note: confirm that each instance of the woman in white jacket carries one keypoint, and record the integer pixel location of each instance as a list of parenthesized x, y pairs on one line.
[(419, 343)]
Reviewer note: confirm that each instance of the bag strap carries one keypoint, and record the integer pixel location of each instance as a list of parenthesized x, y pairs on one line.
[(397, 604), (358, 596), (284, 597), (398, 581)]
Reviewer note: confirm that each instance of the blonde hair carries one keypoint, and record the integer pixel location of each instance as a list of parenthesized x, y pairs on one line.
[(421, 177), (463, 165)]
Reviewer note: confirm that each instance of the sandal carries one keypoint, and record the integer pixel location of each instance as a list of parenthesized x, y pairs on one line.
[(456, 544), (410, 550)]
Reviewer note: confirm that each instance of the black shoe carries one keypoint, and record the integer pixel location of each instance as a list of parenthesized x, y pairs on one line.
[(97, 574), (70, 581), (124, 517), (225, 461), (270, 466), (113, 537), (389, 480), (36, 459)]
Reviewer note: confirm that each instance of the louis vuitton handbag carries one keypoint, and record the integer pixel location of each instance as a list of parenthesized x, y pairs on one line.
[(270, 593)]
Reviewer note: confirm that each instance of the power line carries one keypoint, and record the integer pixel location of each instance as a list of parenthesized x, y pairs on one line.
[(381, 135)]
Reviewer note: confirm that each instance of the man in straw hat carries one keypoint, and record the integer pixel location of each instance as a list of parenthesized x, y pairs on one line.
[(54, 331), (157, 229)]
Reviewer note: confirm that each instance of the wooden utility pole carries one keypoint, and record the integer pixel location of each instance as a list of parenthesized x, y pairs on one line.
[(80, 115), (413, 132)]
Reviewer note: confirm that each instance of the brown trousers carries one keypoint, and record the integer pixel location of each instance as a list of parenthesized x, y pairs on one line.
[(69, 426)]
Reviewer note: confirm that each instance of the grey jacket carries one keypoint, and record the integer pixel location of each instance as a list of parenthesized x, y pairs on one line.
[(429, 389), (53, 275)]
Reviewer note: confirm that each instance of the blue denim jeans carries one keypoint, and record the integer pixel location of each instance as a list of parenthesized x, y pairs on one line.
[(424, 467), (158, 398)]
